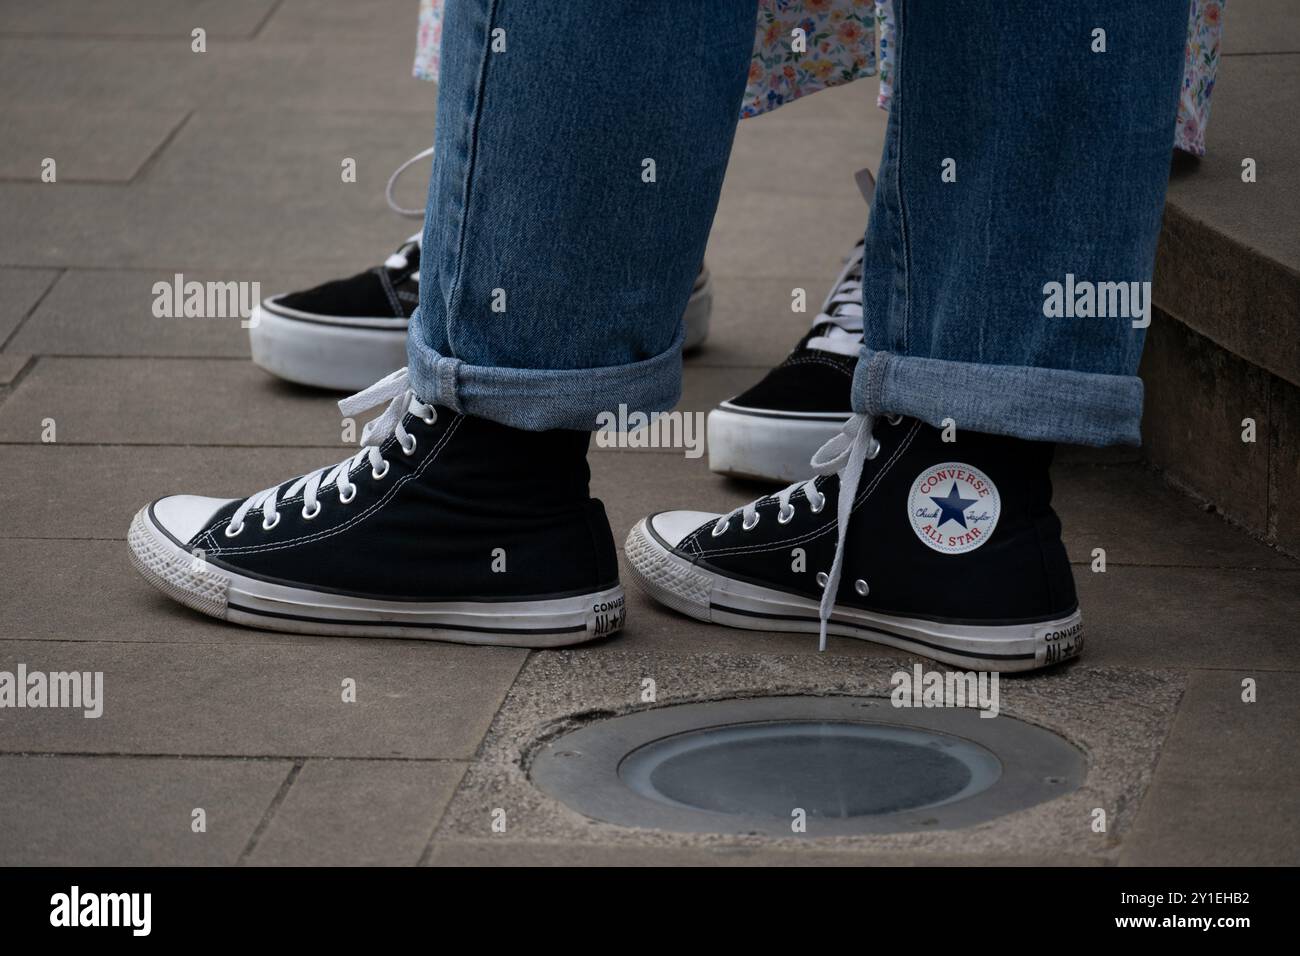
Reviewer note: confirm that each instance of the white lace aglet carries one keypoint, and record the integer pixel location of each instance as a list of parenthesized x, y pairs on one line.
[(821, 638)]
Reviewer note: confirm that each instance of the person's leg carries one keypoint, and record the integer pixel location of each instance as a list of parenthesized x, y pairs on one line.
[(1058, 157), (577, 167), (1017, 157), (580, 152)]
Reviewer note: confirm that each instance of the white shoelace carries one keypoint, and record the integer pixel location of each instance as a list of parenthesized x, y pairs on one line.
[(398, 259), (844, 455), (394, 389), (842, 310), (392, 182)]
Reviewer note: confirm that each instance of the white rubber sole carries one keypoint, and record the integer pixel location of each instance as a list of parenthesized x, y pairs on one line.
[(348, 358), (770, 447), (699, 593), (324, 354), (229, 596)]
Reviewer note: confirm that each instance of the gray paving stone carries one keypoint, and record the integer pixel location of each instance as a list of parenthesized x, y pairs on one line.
[(414, 699), (107, 18), (373, 72), (20, 290), (807, 235), (753, 324), (1226, 790), (1190, 617), (358, 813), (131, 811), (1137, 519), (11, 364), (109, 312), (157, 401), (298, 156), (1260, 26), (340, 22), (124, 479), (45, 585), (826, 153), (87, 145), (240, 231)]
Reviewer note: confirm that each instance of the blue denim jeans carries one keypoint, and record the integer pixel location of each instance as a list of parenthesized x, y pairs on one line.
[(575, 178), (1058, 158), (577, 171)]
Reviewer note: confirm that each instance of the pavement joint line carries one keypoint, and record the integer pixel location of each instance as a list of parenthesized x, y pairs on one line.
[(59, 274), (151, 160), (285, 786), (266, 18), (426, 855)]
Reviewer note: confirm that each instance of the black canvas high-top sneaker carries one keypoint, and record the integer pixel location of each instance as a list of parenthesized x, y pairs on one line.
[(770, 430), (950, 550), (442, 526)]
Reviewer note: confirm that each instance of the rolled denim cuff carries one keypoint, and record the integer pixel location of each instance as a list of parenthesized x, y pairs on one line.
[(542, 399), (1040, 404)]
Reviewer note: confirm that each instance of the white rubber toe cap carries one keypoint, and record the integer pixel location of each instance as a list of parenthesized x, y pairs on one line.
[(673, 526), (182, 516)]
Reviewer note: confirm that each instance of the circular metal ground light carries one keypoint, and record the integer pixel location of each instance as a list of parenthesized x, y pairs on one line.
[(853, 765)]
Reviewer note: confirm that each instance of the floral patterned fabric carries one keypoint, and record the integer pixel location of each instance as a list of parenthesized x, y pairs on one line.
[(836, 46)]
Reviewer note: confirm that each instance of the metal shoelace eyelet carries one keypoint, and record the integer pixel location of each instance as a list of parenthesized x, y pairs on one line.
[(313, 513), (785, 515), (347, 496), (822, 578), (267, 526), (720, 528), (861, 587), (748, 525), (816, 507), (431, 417), (232, 531), (874, 450), (405, 450), (894, 419), (378, 475)]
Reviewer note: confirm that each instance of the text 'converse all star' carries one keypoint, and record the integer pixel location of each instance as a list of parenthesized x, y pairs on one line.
[(442, 526)]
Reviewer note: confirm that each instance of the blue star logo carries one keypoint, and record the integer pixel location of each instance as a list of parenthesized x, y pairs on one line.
[(953, 507)]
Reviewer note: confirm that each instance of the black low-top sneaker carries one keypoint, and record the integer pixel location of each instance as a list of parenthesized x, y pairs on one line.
[(948, 550), (442, 526)]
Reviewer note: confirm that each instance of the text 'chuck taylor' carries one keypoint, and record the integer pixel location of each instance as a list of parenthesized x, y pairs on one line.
[(442, 526)]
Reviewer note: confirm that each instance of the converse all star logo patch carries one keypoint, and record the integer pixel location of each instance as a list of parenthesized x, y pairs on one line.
[(953, 507)]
